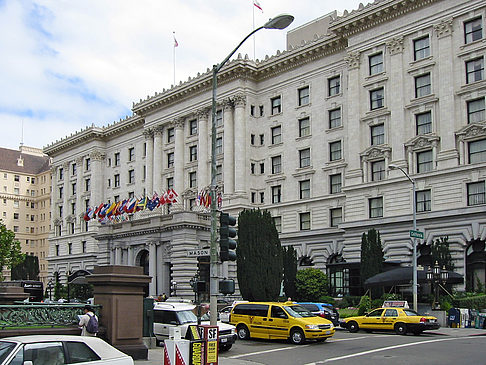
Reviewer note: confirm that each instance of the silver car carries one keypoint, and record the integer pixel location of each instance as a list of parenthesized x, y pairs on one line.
[(59, 350)]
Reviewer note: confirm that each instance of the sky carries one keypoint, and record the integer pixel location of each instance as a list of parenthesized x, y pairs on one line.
[(68, 64)]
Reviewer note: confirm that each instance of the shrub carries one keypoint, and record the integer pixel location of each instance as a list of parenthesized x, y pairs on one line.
[(364, 305), (472, 302)]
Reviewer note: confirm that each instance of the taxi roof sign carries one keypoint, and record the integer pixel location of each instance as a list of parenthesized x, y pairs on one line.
[(396, 303)]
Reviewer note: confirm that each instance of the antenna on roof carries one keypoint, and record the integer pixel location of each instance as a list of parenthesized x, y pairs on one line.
[(22, 135)]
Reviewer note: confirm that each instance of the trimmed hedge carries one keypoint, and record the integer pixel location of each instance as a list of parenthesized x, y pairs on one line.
[(477, 302)]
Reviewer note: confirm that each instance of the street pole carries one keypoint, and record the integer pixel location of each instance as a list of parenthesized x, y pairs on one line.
[(279, 22)]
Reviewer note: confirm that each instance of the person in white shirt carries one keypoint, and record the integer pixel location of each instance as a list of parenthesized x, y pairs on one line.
[(84, 319)]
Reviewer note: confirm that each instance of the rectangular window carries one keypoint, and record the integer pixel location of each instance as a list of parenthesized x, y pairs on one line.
[(170, 135), (304, 157), (73, 169), (192, 179), (276, 105), (335, 118), (276, 164), (278, 223), (335, 151), (219, 173), (252, 139), (73, 188), (262, 168), (219, 145), (334, 85), (61, 192), (423, 201), (304, 219), (262, 139), (61, 173), (376, 63), (276, 135), (16, 178), (117, 159), (219, 118), (170, 183), (131, 176), (378, 170), (376, 207), (276, 194), (423, 123), (377, 98), (262, 197), (475, 70), (421, 48), (252, 168), (193, 127), (16, 216), (477, 151), (473, 30), (424, 161), (476, 193), (335, 183), (303, 96), (377, 134), (87, 164), (336, 216), (131, 154), (422, 85), (170, 160), (304, 189), (87, 184), (193, 153), (304, 127), (16, 191), (253, 197), (476, 111), (117, 180), (73, 208)]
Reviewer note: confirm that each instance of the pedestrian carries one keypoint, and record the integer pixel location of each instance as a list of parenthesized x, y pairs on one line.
[(164, 297), (88, 322), (159, 298)]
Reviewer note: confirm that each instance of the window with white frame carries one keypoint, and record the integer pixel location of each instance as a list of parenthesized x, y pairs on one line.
[(193, 127), (476, 193), (73, 188), (170, 159), (61, 192), (424, 161), (304, 157), (170, 182), (475, 70), (276, 194), (335, 118), (193, 153), (73, 169), (476, 110), (117, 180), (335, 151), (219, 145), (117, 159), (87, 184), (422, 85), (304, 189), (276, 105), (192, 179), (473, 30), (477, 151), (334, 85), (421, 48), (131, 176), (423, 123), (278, 223), (219, 173), (376, 63), (131, 154), (87, 164), (423, 201), (276, 164), (170, 135), (262, 197), (304, 127), (219, 118), (303, 96), (336, 216), (377, 98), (276, 134), (378, 170), (377, 134), (376, 207), (335, 183), (304, 220)]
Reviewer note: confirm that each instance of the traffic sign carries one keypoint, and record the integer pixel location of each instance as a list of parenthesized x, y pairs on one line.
[(197, 253), (417, 234)]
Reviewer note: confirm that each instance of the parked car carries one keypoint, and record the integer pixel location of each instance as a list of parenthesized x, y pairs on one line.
[(224, 314), (400, 320), (59, 349), (272, 320), (167, 315), (323, 310)]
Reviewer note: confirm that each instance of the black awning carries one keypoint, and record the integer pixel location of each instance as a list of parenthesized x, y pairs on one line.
[(403, 276), (79, 277)]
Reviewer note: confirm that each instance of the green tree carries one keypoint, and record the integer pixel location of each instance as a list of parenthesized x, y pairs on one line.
[(10, 253), (289, 270), (26, 270), (311, 285), (441, 253), (371, 257), (259, 256)]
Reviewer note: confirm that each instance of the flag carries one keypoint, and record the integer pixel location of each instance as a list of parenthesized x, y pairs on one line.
[(257, 4), (175, 40), (141, 204)]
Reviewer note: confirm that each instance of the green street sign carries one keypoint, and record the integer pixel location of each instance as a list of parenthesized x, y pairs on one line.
[(417, 234)]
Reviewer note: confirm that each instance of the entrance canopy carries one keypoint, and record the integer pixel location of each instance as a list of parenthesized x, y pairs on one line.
[(79, 277), (404, 276)]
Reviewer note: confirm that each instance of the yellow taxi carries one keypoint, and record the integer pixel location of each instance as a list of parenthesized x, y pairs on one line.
[(272, 320), (400, 320)]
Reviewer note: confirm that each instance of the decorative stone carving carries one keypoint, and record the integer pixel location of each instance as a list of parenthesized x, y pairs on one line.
[(148, 133), (203, 113), (65, 166), (96, 155), (420, 142), (444, 28), (157, 130), (376, 152), (227, 105), (471, 131), (178, 123), (166, 250), (239, 100), (395, 45), (352, 60), (79, 161)]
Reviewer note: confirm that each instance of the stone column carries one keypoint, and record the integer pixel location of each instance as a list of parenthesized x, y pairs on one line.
[(152, 268), (97, 183), (130, 261), (79, 191), (203, 168), (229, 148), (240, 168), (119, 291), (118, 255), (157, 164), (179, 156), (149, 161), (65, 200), (160, 272)]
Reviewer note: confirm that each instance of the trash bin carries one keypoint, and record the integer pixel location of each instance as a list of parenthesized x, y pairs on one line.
[(454, 318), (148, 317)]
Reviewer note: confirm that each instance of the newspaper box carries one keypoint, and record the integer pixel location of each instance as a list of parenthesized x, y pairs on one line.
[(210, 334)]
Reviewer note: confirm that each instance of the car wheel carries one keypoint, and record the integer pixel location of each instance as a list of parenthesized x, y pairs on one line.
[(225, 347), (353, 327), (297, 336), (243, 332), (401, 329)]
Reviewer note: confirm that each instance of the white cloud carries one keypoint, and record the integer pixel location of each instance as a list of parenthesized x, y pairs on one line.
[(68, 64)]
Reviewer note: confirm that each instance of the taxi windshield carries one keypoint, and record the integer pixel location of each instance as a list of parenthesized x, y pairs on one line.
[(186, 316), (298, 311)]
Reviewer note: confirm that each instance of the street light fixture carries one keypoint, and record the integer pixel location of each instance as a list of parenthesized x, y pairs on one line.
[(279, 22), (414, 241), (437, 276)]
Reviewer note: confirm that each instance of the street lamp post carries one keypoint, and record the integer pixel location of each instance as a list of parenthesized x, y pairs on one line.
[(414, 241), (279, 22), (437, 276)]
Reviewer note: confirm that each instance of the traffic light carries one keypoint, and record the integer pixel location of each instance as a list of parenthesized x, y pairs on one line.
[(203, 266), (226, 234)]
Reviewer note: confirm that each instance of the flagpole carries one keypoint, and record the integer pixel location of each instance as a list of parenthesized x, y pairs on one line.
[(254, 46), (174, 58)]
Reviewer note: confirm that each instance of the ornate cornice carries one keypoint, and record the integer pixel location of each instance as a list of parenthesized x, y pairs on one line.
[(472, 131), (376, 152), (444, 28), (422, 141)]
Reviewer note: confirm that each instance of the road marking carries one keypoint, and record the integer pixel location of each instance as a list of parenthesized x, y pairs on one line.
[(266, 351), (388, 348)]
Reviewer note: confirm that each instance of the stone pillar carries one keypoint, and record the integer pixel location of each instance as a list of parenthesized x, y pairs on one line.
[(118, 255), (157, 167), (97, 185), (65, 200), (179, 156), (119, 291), (240, 167), (160, 271), (10, 293), (79, 192), (229, 148), (203, 168), (152, 268), (149, 162), (130, 261)]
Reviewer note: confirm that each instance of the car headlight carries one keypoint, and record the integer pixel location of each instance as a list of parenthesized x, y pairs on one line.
[(312, 326), (233, 331)]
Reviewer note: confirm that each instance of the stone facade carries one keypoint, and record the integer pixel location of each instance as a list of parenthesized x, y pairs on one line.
[(309, 134)]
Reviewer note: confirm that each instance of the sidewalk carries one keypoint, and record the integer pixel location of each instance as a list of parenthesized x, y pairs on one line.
[(156, 354)]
